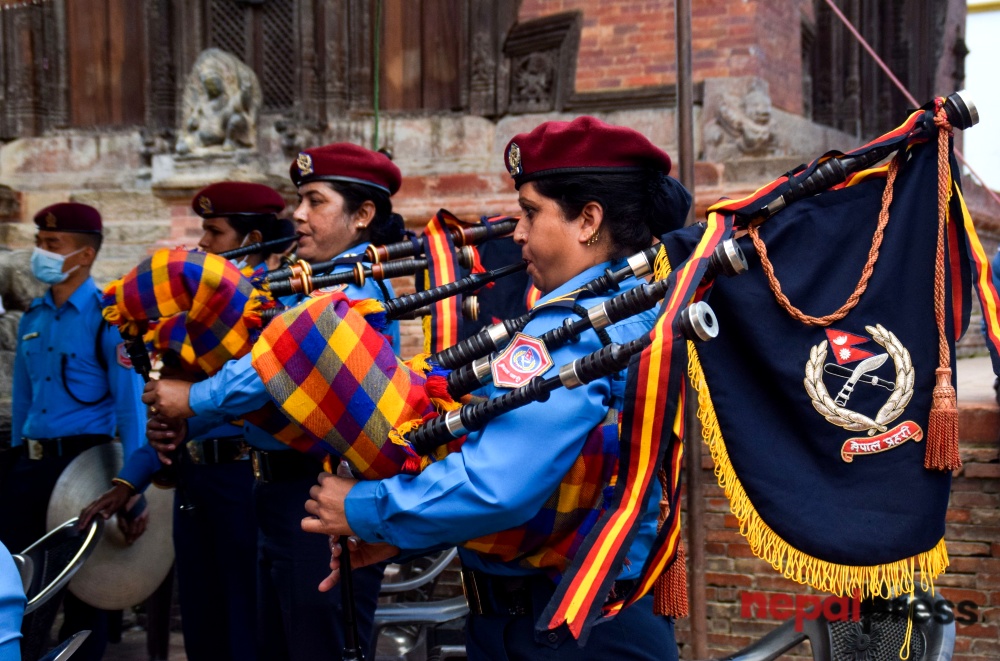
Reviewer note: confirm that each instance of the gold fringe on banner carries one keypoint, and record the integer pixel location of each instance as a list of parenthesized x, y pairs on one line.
[(883, 580)]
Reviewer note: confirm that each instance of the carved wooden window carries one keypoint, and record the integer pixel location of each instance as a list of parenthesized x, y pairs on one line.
[(844, 87), (261, 33), (28, 48)]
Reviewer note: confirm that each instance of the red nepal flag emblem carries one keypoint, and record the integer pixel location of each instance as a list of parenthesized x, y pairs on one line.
[(843, 346)]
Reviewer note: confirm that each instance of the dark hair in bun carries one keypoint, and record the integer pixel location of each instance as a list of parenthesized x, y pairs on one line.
[(637, 205), (386, 226)]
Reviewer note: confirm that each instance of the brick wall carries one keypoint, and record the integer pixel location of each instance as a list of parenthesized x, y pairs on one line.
[(972, 535), (631, 44)]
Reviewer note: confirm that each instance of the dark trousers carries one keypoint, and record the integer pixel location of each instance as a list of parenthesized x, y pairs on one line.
[(295, 621), (24, 501), (634, 634), (215, 539)]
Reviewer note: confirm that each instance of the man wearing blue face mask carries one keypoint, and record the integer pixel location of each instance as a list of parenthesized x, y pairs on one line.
[(74, 387)]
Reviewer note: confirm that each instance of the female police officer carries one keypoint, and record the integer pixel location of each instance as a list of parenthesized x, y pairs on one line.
[(343, 205), (215, 533), (591, 194)]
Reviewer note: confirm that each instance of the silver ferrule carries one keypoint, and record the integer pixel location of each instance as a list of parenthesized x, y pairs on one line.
[(640, 264), (498, 333), (569, 377), (453, 421), (598, 316), (481, 368)]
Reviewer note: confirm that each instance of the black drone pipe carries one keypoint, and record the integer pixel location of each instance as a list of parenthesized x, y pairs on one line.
[(355, 276), (495, 337), (405, 304), (727, 258), (396, 308), (467, 236), (961, 112), (256, 247)]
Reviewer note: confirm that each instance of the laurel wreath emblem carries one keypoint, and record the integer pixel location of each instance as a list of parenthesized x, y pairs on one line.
[(852, 420)]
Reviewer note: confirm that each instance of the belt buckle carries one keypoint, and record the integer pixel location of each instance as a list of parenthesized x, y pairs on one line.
[(471, 590), (244, 451), (36, 450), (255, 462), (195, 451)]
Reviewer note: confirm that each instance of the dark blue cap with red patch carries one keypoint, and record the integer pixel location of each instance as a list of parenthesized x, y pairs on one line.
[(69, 217), (584, 145), (345, 161), (237, 198)]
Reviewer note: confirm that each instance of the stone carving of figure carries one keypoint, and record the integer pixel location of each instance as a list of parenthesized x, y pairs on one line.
[(221, 101), (742, 126)]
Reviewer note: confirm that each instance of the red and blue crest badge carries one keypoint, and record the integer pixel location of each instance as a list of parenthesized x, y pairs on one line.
[(522, 360)]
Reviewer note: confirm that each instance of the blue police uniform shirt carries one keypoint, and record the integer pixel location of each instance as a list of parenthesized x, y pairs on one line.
[(12, 601), (41, 406), (237, 389), (506, 471)]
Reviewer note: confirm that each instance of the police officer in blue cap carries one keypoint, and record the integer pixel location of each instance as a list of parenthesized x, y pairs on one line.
[(74, 388)]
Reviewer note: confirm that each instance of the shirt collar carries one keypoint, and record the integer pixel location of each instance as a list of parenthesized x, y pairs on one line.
[(83, 296), (576, 282)]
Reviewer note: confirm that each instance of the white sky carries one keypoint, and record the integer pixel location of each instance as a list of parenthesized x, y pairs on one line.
[(982, 142)]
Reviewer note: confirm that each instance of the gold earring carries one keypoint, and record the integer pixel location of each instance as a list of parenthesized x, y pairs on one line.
[(360, 226), (594, 237)]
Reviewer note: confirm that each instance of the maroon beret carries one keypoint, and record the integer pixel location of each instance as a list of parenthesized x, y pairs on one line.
[(69, 217), (237, 198), (585, 145), (344, 161)]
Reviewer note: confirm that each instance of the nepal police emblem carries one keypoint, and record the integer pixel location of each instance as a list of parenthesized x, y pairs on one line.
[(205, 204), (304, 163), (514, 159), (855, 368), (522, 360)]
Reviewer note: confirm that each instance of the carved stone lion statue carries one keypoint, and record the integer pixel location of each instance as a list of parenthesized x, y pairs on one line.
[(222, 99)]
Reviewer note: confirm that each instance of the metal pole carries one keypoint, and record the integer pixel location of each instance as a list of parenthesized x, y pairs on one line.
[(696, 503)]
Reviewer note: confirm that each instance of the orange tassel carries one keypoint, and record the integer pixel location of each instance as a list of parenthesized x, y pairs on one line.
[(670, 593), (941, 452)]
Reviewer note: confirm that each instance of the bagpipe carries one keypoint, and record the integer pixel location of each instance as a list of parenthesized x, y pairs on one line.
[(827, 401), (762, 410), (807, 473)]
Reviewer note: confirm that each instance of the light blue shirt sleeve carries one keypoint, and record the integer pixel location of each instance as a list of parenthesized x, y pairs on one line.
[(126, 390), (21, 395), (503, 474), (12, 601), (233, 391)]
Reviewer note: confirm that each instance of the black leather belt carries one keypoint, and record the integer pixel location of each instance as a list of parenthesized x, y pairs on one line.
[(283, 465), (489, 594), (64, 446), (224, 450)]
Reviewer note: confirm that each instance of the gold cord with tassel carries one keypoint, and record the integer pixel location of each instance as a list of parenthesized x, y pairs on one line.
[(941, 451)]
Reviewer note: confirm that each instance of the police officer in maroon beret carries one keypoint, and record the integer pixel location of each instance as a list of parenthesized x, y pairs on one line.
[(524, 491), (237, 214), (74, 388), (344, 205)]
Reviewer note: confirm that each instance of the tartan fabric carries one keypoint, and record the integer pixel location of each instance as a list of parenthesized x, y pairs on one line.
[(337, 378), (221, 305), (551, 538)]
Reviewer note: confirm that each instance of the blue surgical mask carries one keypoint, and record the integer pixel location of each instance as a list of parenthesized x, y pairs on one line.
[(240, 263), (48, 266)]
